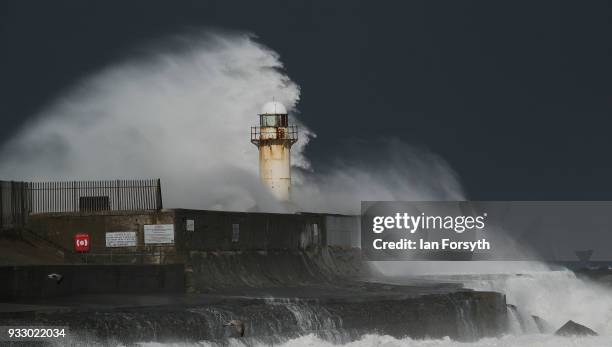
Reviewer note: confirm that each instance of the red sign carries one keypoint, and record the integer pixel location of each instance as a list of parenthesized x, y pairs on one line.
[(81, 242)]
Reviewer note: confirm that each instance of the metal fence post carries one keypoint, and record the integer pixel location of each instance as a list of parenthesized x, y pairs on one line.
[(1, 205), (160, 204)]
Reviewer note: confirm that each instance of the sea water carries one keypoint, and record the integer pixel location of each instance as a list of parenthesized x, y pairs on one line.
[(554, 296)]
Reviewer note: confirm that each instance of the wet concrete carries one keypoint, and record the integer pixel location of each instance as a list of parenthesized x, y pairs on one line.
[(32, 281), (401, 311), (278, 295)]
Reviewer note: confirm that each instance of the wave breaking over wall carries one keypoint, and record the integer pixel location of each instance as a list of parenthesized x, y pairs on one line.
[(181, 110)]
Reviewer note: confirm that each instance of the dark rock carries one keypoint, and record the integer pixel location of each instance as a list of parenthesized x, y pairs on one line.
[(573, 328)]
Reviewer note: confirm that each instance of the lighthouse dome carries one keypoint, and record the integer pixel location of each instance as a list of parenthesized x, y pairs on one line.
[(273, 107)]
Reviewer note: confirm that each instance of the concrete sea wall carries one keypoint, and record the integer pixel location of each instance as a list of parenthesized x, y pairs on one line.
[(464, 316), (227, 271), (283, 275), (31, 282)]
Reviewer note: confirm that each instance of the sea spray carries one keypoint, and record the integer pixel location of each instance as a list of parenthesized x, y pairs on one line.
[(555, 296), (182, 111), (536, 340)]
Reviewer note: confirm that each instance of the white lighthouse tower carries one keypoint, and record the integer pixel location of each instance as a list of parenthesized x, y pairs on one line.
[(274, 138)]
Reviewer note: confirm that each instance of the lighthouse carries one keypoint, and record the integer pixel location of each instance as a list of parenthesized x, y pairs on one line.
[(274, 138)]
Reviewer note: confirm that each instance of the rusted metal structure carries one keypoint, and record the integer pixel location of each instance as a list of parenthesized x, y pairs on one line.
[(274, 138)]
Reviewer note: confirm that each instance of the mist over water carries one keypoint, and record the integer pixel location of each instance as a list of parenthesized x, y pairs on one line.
[(183, 112)]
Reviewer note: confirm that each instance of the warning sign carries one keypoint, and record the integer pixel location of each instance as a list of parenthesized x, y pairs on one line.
[(121, 239), (81, 242), (159, 234)]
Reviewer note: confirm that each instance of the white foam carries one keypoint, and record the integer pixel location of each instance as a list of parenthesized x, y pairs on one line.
[(555, 296), (536, 340)]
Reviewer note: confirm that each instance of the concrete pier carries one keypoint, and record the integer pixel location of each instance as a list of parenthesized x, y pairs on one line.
[(283, 275)]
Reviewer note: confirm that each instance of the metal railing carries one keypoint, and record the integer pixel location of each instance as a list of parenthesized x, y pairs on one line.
[(19, 199), (91, 196), (289, 134)]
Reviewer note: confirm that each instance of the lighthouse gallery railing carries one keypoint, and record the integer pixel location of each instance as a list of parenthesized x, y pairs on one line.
[(259, 134)]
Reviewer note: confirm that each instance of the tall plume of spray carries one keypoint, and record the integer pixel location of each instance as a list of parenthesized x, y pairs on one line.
[(182, 113)]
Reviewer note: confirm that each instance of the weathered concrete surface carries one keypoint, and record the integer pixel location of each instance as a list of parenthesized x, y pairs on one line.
[(17, 249), (275, 164), (462, 315), (213, 231), (60, 228), (31, 281), (278, 294), (216, 271), (256, 231), (343, 231)]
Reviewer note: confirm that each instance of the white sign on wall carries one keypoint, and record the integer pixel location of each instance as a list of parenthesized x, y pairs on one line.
[(159, 234), (121, 239), (190, 225)]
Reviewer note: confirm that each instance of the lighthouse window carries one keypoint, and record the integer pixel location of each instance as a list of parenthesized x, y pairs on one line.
[(269, 121), (274, 120)]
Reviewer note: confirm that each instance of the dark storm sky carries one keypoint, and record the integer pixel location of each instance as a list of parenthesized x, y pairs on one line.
[(515, 95)]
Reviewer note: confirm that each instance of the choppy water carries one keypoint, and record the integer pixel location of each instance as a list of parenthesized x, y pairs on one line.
[(555, 296), (525, 340), (535, 340)]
